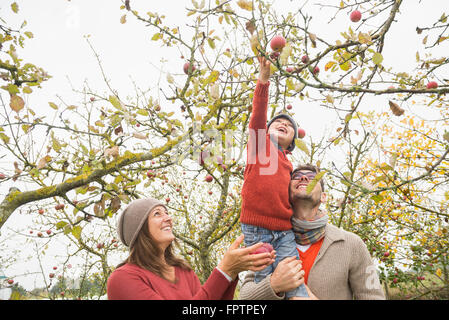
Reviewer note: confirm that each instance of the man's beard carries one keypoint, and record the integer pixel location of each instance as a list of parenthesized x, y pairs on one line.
[(306, 198)]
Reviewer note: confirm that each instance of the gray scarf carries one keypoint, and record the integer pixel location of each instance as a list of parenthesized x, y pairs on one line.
[(307, 232)]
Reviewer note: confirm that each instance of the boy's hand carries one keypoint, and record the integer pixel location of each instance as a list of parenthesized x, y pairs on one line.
[(264, 73)]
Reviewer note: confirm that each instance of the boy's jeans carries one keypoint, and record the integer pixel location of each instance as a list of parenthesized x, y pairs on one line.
[(284, 244)]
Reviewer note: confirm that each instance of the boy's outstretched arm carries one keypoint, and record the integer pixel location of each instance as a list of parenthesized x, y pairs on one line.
[(258, 118), (264, 72)]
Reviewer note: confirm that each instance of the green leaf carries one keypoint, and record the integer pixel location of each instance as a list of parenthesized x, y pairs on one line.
[(211, 43), (61, 224), (4, 137), (143, 112), (115, 102), (345, 66), (15, 7), (76, 231), (56, 145), (446, 136), (377, 58), (11, 88), (27, 90), (156, 36), (377, 198), (302, 146), (29, 34)]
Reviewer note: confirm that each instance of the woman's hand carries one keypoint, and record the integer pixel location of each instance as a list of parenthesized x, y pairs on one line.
[(236, 259), (264, 73), (287, 275)]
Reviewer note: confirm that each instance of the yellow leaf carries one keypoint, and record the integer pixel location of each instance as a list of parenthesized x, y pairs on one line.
[(438, 272), (329, 65), (302, 146), (53, 105), (314, 181), (123, 19), (246, 5), (16, 103)]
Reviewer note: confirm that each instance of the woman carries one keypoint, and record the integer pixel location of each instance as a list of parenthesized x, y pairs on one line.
[(153, 272)]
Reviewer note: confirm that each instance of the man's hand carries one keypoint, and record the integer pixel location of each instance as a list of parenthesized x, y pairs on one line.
[(311, 296), (264, 73), (287, 275)]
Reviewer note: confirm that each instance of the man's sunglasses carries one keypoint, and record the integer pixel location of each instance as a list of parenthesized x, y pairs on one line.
[(298, 175)]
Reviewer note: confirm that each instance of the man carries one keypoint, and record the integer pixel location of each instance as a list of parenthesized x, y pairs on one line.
[(336, 263)]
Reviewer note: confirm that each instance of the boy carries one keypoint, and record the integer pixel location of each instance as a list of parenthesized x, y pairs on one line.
[(266, 210)]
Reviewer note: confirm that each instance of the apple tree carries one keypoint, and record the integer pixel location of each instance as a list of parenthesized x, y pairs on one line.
[(86, 161)]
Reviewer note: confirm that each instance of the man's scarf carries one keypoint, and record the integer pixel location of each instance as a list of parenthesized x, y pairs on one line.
[(308, 232)]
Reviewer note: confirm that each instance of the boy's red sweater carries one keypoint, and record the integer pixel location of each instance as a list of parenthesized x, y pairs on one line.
[(265, 201)]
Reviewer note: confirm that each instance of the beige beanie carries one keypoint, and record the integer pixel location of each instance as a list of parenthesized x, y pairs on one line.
[(133, 218)]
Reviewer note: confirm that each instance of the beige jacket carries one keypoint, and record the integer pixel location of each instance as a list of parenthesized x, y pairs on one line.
[(343, 270)]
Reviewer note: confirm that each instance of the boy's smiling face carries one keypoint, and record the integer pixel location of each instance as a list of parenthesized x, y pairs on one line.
[(283, 130)]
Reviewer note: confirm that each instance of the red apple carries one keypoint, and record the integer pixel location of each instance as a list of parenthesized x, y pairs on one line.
[(41, 211), (59, 206), (316, 70), (289, 69), (386, 254), (54, 268), (39, 234), (92, 99), (100, 245), (301, 133), (355, 16), (277, 43), (274, 55), (150, 174), (209, 178), (167, 200), (289, 107), (10, 281), (305, 59), (49, 232), (2, 176), (266, 247), (187, 68), (51, 275), (432, 85), (395, 280)]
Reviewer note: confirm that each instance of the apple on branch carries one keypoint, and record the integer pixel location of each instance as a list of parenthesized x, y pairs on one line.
[(355, 16), (432, 85), (188, 69), (277, 43)]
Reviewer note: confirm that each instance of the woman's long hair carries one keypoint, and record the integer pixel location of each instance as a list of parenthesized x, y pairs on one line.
[(146, 254)]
